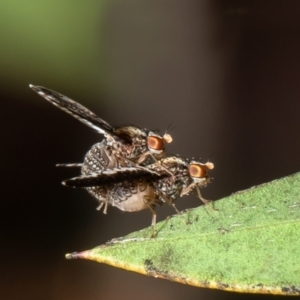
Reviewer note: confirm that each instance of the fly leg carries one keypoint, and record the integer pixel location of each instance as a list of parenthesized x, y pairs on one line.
[(163, 168), (100, 206), (104, 201), (151, 204), (189, 188), (205, 201), (169, 202), (143, 157)]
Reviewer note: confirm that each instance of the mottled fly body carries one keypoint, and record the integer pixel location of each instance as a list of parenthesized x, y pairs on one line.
[(187, 176), (138, 188)]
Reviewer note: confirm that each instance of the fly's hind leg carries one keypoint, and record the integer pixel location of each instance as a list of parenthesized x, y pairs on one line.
[(169, 202), (101, 205), (151, 204), (104, 201)]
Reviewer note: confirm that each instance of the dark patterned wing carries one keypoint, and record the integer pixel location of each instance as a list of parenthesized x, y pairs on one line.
[(112, 177), (76, 165), (75, 109)]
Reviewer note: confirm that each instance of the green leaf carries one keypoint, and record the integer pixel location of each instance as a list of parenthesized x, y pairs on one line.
[(248, 242)]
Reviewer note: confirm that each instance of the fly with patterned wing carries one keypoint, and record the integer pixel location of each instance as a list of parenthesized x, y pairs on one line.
[(122, 147), (129, 168), (130, 145)]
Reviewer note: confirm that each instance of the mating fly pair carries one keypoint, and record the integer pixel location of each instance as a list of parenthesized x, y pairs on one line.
[(129, 169)]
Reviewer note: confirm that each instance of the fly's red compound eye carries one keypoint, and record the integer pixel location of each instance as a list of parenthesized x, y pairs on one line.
[(197, 171), (155, 143)]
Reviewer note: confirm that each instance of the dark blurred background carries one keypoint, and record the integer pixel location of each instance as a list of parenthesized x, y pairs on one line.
[(224, 74)]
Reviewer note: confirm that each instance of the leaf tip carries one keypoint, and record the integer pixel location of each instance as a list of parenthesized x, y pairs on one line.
[(77, 255), (73, 255)]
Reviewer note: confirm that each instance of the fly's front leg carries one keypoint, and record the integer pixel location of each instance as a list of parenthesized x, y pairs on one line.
[(189, 188), (205, 201), (143, 157), (159, 164)]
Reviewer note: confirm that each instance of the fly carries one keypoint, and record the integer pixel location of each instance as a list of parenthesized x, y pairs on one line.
[(121, 147), (138, 188), (129, 145)]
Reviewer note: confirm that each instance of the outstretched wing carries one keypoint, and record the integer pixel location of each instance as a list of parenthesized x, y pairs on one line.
[(75, 109), (111, 177), (76, 165)]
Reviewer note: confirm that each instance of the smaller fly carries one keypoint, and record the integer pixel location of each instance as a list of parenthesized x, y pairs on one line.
[(187, 175), (137, 188)]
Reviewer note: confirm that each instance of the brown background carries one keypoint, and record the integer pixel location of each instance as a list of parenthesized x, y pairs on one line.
[(225, 74)]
